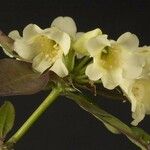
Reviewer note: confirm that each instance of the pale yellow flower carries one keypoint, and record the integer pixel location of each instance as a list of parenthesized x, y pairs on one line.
[(43, 48), (114, 60), (138, 93), (138, 90)]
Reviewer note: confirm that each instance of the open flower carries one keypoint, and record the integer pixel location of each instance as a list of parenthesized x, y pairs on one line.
[(138, 92), (114, 60), (43, 48)]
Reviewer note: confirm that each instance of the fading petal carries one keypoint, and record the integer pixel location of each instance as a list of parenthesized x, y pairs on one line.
[(93, 72), (65, 24), (41, 63), (96, 44), (112, 78), (59, 68), (129, 41), (14, 35), (139, 114), (31, 30), (126, 88), (61, 38), (24, 49)]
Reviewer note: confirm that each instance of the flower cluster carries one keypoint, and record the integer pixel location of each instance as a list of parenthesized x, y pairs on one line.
[(116, 63)]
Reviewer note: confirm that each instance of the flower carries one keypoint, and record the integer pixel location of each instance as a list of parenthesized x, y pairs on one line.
[(138, 92), (82, 39), (114, 60), (43, 48)]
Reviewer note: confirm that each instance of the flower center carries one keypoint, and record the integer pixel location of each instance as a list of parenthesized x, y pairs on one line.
[(110, 58), (48, 47)]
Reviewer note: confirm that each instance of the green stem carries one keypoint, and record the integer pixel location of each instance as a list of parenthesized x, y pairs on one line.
[(82, 70), (81, 77), (36, 114), (82, 63)]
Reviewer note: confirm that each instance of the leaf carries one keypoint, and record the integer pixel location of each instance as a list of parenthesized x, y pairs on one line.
[(111, 128), (7, 117), (111, 122), (18, 78)]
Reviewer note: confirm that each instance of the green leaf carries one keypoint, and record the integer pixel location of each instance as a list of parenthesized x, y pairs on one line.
[(18, 78), (7, 117), (110, 128), (138, 137)]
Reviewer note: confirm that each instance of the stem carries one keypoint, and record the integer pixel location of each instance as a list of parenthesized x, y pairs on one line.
[(36, 114), (114, 123), (100, 92), (82, 63), (81, 77), (82, 70)]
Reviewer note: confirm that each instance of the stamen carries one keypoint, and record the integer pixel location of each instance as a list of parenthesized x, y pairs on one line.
[(48, 47)]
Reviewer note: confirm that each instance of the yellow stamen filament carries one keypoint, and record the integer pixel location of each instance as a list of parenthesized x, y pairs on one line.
[(48, 47)]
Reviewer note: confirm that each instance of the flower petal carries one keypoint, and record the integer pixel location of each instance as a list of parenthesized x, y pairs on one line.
[(133, 66), (126, 88), (139, 114), (137, 92), (14, 35), (93, 72), (129, 41), (96, 44), (78, 35), (65, 24), (80, 43), (41, 63), (59, 68), (61, 38), (24, 49), (144, 53), (112, 78), (31, 31)]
